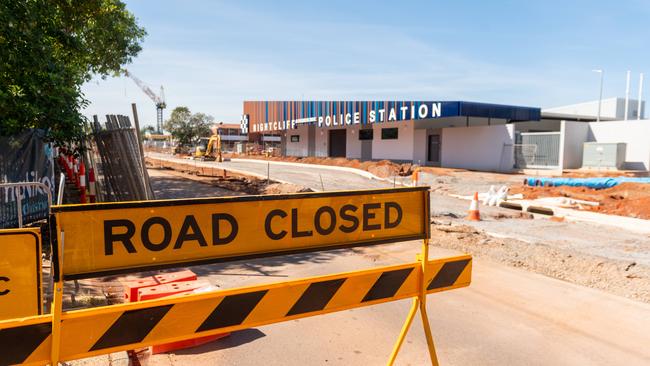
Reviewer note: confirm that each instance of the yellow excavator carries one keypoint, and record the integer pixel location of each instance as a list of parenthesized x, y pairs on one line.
[(205, 150)]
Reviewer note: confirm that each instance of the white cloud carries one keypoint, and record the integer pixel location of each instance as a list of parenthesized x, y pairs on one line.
[(312, 61)]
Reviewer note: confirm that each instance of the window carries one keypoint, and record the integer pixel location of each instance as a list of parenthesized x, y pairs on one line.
[(295, 138), (389, 133), (365, 134)]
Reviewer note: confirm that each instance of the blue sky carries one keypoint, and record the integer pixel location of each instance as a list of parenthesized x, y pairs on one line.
[(211, 55)]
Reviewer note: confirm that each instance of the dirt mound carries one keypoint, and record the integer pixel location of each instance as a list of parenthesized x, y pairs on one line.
[(626, 199), (283, 188)]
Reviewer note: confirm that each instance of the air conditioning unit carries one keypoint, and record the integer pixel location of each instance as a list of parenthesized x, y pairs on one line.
[(598, 155)]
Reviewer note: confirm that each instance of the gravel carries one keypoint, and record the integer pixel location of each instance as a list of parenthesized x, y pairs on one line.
[(622, 277)]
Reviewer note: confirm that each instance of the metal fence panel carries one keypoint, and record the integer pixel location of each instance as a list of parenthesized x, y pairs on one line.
[(538, 150)]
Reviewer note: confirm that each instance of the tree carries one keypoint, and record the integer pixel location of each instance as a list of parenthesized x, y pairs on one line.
[(48, 49), (186, 127)]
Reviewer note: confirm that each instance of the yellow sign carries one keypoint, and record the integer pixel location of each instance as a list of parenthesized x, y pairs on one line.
[(20, 273), (112, 238), (96, 331)]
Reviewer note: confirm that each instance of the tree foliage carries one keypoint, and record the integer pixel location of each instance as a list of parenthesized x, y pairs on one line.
[(48, 49), (186, 127)]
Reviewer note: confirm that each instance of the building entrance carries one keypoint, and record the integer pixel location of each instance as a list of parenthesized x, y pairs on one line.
[(433, 155), (337, 143)]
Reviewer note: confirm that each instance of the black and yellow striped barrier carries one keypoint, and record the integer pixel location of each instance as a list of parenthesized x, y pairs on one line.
[(85, 333), (94, 240)]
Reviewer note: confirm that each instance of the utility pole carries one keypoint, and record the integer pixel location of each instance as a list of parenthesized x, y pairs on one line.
[(627, 95), (640, 111), (600, 98)]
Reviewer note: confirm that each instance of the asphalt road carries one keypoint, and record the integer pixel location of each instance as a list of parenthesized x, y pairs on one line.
[(593, 239), (507, 316)]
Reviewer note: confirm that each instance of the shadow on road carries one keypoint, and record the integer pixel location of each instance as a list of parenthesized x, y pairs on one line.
[(235, 339)]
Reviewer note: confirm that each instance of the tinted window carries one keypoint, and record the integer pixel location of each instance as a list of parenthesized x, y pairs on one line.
[(389, 133), (365, 134), (295, 138)]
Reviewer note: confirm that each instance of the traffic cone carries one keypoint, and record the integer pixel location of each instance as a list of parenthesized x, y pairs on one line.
[(473, 214)]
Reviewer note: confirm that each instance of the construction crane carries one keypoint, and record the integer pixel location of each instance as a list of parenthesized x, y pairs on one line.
[(159, 100)]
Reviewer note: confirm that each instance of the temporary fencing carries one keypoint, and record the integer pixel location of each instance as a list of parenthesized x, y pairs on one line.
[(121, 167), (85, 245)]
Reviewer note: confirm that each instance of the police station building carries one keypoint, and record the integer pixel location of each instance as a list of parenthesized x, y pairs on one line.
[(438, 133)]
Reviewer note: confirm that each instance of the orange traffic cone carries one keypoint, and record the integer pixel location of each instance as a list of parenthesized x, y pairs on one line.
[(473, 214)]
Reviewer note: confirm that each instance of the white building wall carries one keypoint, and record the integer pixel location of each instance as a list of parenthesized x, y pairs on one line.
[(322, 141), (353, 145), (636, 134), (399, 149), (487, 148), (420, 146), (573, 135), (297, 148)]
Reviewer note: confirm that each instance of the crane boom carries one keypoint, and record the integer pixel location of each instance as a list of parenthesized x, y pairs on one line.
[(159, 100), (147, 90)]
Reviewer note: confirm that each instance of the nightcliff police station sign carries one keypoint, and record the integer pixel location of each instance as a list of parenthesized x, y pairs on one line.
[(276, 116)]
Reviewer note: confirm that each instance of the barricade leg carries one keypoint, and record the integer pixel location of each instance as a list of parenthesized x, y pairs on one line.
[(423, 303), (57, 299), (419, 302), (56, 321), (405, 329), (427, 333)]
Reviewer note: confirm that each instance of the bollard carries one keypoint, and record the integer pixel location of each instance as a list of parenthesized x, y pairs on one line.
[(82, 183), (75, 174), (91, 185), (68, 168)]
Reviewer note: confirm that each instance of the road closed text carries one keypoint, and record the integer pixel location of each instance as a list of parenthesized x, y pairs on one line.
[(110, 238)]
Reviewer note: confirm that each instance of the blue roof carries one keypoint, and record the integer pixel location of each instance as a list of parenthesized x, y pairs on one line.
[(508, 112)]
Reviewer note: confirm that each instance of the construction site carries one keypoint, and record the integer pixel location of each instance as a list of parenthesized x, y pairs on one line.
[(312, 231)]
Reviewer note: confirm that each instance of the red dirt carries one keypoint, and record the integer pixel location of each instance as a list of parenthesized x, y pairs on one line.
[(573, 173), (626, 199)]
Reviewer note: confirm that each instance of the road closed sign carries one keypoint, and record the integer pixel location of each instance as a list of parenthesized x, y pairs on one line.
[(110, 238), (20, 273)]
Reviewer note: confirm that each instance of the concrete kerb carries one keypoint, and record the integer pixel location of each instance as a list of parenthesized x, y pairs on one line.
[(236, 171), (360, 172)]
